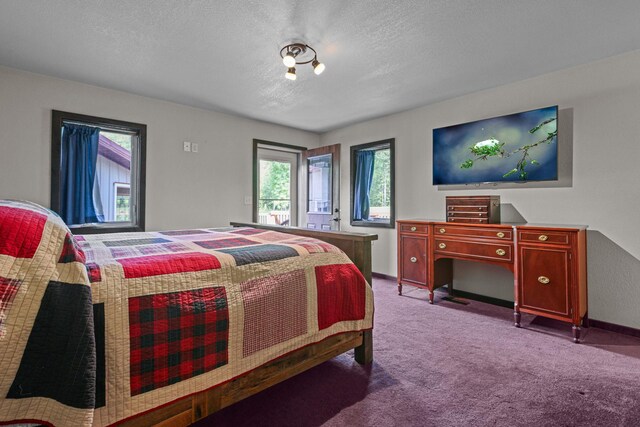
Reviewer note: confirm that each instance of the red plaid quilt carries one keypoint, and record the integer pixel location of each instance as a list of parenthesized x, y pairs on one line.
[(166, 314)]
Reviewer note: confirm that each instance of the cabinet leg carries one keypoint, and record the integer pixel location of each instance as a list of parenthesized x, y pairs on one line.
[(430, 297), (576, 333), (399, 288), (516, 318), (450, 289)]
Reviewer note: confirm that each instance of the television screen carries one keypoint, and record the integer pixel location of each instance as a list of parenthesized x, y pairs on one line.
[(519, 147)]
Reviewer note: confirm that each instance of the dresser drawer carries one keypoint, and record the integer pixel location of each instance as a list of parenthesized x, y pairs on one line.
[(468, 214), (474, 232), (544, 236), (470, 201), (544, 280), (481, 250), (414, 228), (412, 261), (467, 208), (468, 220)]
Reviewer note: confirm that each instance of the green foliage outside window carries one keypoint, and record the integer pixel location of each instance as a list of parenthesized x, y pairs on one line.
[(380, 193), (121, 139), (123, 208), (275, 186)]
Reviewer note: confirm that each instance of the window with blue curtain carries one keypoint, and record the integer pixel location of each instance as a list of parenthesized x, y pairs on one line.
[(372, 184), (365, 161), (98, 173), (78, 160)]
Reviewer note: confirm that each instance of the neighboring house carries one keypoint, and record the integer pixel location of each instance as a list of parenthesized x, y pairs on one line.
[(113, 180)]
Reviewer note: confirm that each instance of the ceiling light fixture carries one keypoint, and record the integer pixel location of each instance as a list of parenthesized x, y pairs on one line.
[(291, 73), (299, 54)]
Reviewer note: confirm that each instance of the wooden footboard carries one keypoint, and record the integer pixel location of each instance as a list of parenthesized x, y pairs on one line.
[(190, 409), (357, 246)]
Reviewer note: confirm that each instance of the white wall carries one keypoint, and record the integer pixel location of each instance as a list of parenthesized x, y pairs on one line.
[(183, 189), (603, 190)]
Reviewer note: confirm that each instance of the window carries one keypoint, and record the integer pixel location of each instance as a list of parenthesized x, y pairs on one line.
[(122, 202), (372, 184), (275, 179), (98, 173)]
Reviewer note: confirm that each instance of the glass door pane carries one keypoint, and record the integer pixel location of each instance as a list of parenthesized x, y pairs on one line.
[(319, 181), (274, 198)]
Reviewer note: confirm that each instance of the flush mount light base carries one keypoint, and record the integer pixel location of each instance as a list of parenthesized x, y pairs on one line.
[(299, 54)]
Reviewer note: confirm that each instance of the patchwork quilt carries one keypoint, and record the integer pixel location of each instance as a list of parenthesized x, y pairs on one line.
[(96, 329)]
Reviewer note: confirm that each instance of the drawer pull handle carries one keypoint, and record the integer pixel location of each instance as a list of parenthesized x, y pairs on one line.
[(442, 231), (442, 246), (413, 259), (543, 279), (500, 234), (543, 237), (501, 252), (413, 228)]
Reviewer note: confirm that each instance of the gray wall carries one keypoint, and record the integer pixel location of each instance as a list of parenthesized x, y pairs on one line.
[(183, 189), (600, 154)]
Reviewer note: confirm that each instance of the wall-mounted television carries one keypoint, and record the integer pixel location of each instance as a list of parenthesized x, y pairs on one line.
[(518, 147)]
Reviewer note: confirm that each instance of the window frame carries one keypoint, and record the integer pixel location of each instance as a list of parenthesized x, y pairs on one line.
[(392, 215), (58, 118)]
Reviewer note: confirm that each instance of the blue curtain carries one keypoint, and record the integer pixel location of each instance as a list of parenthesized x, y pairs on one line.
[(362, 186), (79, 156)]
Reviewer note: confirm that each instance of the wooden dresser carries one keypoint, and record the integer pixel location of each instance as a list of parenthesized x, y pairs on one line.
[(548, 262)]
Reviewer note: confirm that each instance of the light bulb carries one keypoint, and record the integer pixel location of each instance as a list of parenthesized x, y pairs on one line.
[(318, 67), (291, 73), (289, 60)]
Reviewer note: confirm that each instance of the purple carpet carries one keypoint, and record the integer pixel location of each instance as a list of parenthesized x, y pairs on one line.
[(450, 364)]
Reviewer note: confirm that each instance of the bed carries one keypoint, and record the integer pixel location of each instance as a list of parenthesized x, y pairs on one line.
[(164, 328)]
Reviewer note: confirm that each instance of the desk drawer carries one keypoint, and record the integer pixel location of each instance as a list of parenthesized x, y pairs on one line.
[(544, 236), (417, 228), (480, 250), (474, 232)]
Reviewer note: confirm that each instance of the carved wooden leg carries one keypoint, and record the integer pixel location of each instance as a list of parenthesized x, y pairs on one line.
[(364, 352), (576, 333), (430, 297), (516, 317), (399, 288)]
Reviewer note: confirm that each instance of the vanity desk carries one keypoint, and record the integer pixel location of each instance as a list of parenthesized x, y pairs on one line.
[(548, 262)]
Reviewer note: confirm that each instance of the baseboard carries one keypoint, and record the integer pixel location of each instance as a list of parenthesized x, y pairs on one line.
[(626, 330), (384, 276), (612, 327)]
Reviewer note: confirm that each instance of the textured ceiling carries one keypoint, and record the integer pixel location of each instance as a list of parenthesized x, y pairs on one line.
[(381, 56)]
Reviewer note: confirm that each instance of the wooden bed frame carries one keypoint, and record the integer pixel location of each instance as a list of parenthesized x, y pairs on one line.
[(192, 408)]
